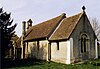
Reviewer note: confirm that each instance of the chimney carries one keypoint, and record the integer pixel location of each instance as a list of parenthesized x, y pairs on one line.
[(29, 24), (23, 28), (22, 39)]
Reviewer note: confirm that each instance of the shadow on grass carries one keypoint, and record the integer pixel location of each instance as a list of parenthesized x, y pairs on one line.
[(39, 64), (21, 63)]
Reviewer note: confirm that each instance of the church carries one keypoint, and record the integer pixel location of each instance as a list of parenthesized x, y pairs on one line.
[(62, 39)]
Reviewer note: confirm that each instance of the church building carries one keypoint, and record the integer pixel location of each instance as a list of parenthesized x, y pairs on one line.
[(63, 39)]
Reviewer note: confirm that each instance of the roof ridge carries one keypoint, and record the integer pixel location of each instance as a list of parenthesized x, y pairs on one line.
[(75, 14), (63, 14)]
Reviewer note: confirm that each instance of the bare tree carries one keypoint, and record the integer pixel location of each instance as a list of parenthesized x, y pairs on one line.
[(96, 27)]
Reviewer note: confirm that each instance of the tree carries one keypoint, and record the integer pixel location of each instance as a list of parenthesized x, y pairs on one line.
[(6, 31), (96, 27)]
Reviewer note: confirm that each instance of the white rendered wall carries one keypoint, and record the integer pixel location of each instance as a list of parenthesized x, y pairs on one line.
[(69, 51), (59, 55), (65, 52)]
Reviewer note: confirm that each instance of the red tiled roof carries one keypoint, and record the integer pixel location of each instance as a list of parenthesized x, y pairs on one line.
[(66, 27), (44, 29)]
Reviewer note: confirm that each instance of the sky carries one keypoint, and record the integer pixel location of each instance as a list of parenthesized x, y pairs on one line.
[(42, 10)]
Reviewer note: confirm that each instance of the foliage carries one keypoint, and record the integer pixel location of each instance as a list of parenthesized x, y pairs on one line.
[(6, 31)]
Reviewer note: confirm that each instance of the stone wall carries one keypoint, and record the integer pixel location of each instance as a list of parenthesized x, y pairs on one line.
[(83, 27)]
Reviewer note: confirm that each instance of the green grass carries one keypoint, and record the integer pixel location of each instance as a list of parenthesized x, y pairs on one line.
[(31, 64)]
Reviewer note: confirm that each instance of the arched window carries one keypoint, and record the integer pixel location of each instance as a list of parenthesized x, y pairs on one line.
[(84, 43)]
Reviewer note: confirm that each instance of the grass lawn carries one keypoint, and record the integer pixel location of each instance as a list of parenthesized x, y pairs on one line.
[(37, 64)]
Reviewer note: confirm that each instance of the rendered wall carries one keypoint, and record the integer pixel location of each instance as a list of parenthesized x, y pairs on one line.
[(40, 52), (62, 55)]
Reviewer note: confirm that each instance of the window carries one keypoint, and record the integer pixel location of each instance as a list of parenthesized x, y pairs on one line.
[(57, 45), (84, 39)]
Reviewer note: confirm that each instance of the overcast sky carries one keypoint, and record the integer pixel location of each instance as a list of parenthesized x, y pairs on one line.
[(42, 10)]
